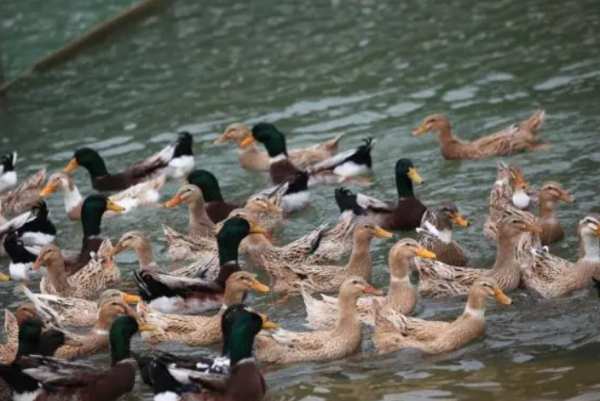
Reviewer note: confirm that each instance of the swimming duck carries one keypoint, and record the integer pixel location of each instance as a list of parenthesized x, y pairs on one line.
[(58, 380), (141, 194), (438, 279), (514, 139), (99, 274), (141, 171), (550, 194), (92, 210), (197, 331), (8, 175), (266, 210), (21, 260), (182, 161), (241, 379), (552, 276), (283, 346), (174, 294), (405, 214), (288, 277), (216, 207), (344, 165), (394, 331), (32, 340), (75, 312), (22, 198), (401, 297), (435, 234), (251, 158), (200, 224)]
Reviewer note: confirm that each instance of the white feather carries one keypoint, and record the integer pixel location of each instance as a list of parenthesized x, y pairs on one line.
[(367, 202), (475, 313), (8, 180), (20, 271), (167, 396), (350, 169), (31, 396), (181, 166), (520, 199), (295, 201)]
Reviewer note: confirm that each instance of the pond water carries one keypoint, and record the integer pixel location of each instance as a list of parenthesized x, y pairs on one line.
[(366, 68)]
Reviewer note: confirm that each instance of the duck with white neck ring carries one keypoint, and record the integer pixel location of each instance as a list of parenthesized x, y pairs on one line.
[(401, 297), (394, 331), (553, 277), (145, 193), (435, 234)]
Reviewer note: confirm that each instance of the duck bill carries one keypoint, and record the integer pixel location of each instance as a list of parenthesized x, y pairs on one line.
[(459, 220), (130, 298), (176, 200), (37, 264), (221, 140), (48, 189), (370, 290), (565, 197), (414, 176), (143, 327), (501, 297), (247, 141), (532, 228), (598, 231), (72, 166), (520, 182), (110, 205), (118, 248), (424, 253), (256, 229), (260, 287), (381, 233), (420, 131), (4, 277), (272, 208)]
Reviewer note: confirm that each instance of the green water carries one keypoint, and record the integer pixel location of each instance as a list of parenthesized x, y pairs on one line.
[(366, 68)]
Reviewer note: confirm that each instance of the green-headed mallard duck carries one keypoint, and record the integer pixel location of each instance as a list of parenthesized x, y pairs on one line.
[(511, 140), (405, 214), (216, 207)]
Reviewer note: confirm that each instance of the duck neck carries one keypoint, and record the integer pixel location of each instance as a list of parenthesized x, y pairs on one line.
[(228, 249), (505, 254), (199, 220), (258, 241), (57, 275), (90, 222), (475, 306), (120, 346), (445, 134), (232, 296), (347, 318), (547, 208), (360, 263), (72, 197), (590, 248), (240, 345), (401, 288), (145, 255)]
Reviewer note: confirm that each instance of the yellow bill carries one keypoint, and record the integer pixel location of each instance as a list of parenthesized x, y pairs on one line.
[(256, 229), (110, 205), (424, 253), (381, 233), (260, 287), (4, 277), (414, 176)]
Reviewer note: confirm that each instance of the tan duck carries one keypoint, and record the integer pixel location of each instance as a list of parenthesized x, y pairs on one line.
[(200, 225), (99, 274), (324, 278), (438, 279), (141, 194), (204, 267), (552, 276), (514, 139), (199, 331), (267, 211), (401, 297), (22, 198), (510, 191), (251, 158), (435, 234), (283, 346), (394, 331), (75, 312), (12, 322), (550, 194)]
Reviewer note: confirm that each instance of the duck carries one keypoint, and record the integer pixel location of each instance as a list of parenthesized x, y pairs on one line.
[(267, 211), (435, 234), (251, 158), (182, 162), (57, 380), (550, 194), (323, 244), (406, 214), (21, 260), (510, 191), (234, 377), (395, 331), (511, 140), (198, 331), (200, 224), (92, 211), (552, 277), (438, 279), (323, 278), (216, 207), (401, 297), (348, 164), (99, 274), (144, 193), (167, 293), (75, 312), (22, 198), (8, 174), (283, 346), (32, 340), (144, 170)]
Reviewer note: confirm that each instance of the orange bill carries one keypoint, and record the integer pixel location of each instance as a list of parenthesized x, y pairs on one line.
[(420, 131), (176, 200), (370, 290), (501, 297), (37, 264), (260, 287), (72, 166), (256, 229), (458, 219), (424, 253), (247, 141), (48, 189), (130, 298), (565, 197), (532, 228), (381, 233)]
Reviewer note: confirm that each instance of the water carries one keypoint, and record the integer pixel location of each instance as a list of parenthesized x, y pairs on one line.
[(367, 68)]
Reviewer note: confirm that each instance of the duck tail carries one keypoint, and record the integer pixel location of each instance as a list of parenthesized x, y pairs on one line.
[(534, 123), (332, 144), (346, 200)]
